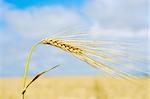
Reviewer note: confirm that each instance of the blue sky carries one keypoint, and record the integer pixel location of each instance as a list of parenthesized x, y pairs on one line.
[(21, 4), (25, 22)]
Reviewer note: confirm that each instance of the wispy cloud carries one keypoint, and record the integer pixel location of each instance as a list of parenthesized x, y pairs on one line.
[(36, 21), (123, 14)]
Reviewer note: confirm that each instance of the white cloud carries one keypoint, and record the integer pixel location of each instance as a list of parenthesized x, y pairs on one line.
[(120, 14), (37, 21), (109, 17), (98, 32)]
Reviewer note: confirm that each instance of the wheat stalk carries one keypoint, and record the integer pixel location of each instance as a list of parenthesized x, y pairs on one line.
[(27, 64), (25, 86)]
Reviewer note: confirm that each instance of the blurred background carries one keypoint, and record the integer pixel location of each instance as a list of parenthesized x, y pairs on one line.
[(25, 22)]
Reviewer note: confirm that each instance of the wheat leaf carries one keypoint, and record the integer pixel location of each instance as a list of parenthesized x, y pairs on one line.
[(37, 76)]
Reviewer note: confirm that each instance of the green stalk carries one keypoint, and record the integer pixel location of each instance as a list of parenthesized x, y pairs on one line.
[(27, 64), (25, 86)]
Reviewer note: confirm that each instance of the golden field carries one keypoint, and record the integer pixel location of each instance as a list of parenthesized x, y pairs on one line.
[(77, 88)]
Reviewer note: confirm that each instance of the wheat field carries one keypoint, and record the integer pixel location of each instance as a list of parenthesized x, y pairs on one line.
[(77, 87)]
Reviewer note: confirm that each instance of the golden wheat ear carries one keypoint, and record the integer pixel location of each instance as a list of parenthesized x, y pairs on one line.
[(62, 45), (107, 53)]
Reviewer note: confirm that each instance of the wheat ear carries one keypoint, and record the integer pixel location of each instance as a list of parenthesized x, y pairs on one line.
[(80, 53), (62, 45)]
